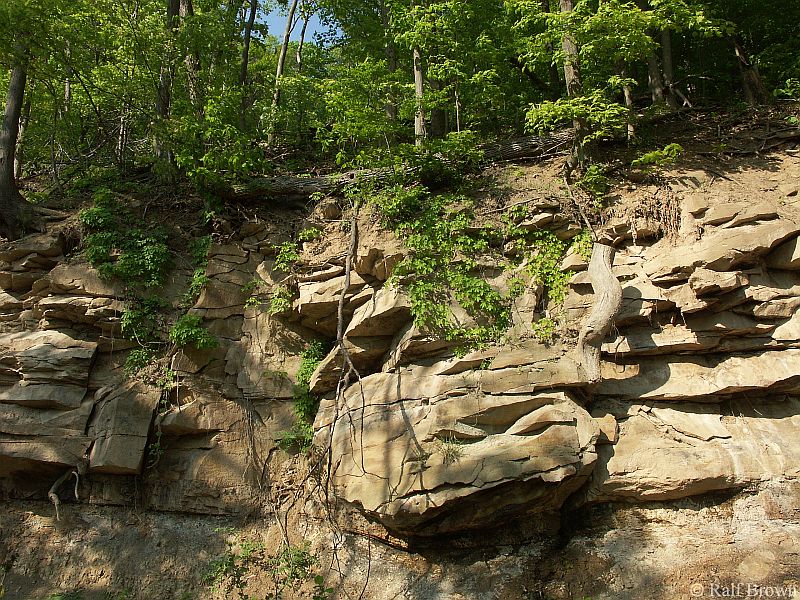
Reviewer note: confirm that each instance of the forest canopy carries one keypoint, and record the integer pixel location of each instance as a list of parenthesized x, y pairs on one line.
[(203, 88)]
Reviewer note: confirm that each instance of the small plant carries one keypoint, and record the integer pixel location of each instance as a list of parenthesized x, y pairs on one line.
[(309, 235), (286, 256), (138, 359), (666, 156), (188, 330), (451, 448), (305, 403), (594, 182), (142, 320), (582, 244), (290, 567), (71, 595), (198, 248), (280, 301), (299, 438), (544, 330), (120, 247), (196, 283)]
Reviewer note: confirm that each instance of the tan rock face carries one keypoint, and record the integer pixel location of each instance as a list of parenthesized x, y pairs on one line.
[(45, 369), (120, 428), (437, 454)]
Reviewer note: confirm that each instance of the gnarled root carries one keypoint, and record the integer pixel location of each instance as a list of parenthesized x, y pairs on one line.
[(80, 469), (607, 303)]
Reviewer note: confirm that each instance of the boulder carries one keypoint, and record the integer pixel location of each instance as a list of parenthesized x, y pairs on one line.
[(721, 250), (436, 455), (42, 437), (384, 314), (120, 428), (80, 279), (101, 312)]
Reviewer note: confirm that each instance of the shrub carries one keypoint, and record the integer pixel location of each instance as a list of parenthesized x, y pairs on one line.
[(188, 330)]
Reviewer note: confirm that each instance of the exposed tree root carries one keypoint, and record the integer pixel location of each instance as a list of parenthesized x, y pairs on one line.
[(80, 469), (607, 303)]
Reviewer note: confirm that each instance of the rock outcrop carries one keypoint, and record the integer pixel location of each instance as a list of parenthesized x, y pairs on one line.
[(698, 393)]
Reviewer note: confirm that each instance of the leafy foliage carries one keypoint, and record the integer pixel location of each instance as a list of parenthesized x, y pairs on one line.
[(119, 247), (286, 256), (601, 116), (662, 157), (289, 566), (188, 329), (142, 319), (305, 403)]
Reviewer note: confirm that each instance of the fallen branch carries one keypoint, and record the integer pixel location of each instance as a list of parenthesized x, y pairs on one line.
[(286, 187)]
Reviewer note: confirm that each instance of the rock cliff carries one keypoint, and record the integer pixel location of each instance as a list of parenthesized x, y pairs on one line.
[(699, 396)]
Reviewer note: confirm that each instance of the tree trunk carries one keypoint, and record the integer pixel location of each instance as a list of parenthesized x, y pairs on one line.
[(390, 50), (276, 96), (752, 85), (192, 62), (248, 32), (14, 210), (654, 81), (164, 95), (572, 74), (301, 112), (552, 69), (438, 115), (23, 126), (628, 94), (298, 56), (669, 71), (67, 81), (419, 91)]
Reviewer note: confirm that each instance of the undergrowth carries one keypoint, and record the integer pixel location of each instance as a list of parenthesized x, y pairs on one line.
[(290, 568), (300, 436), (120, 246), (443, 268)]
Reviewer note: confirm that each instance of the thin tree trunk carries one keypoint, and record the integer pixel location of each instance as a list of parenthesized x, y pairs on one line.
[(572, 75), (301, 112), (669, 71), (13, 207), (457, 103), (438, 115), (192, 62), (164, 95), (67, 81), (627, 92), (248, 32), (752, 85), (390, 50), (552, 69), (298, 56), (607, 302), (276, 96), (23, 126), (654, 81), (419, 91)]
